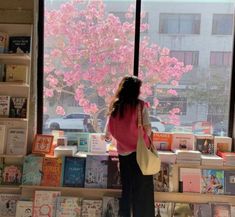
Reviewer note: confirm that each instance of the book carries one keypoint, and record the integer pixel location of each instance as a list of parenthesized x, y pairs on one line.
[(163, 209), (167, 156), (24, 208), (68, 206), (114, 178), (229, 182), (2, 138), (72, 137), (4, 106), (204, 144), (110, 206), (97, 144), (3, 42), (182, 141), (191, 179), (32, 170), (96, 171), (2, 73), (42, 144), (211, 160), (183, 209), (16, 73), (61, 151), (221, 209), (74, 171), (12, 174), (19, 44), (162, 141), (51, 171), (91, 208), (202, 209), (161, 179), (83, 142), (18, 107), (16, 141), (8, 204), (44, 203), (212, 181), (222, 143)]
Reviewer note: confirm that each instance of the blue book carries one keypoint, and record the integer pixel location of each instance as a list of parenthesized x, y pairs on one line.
[(32, 170), (96, 171), (73, 171), (83, 142)]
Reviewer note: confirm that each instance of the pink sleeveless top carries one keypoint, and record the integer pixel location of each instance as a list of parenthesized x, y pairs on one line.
[(125, 130)]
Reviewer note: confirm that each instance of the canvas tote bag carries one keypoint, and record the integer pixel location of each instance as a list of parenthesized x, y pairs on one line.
[(147, 157)]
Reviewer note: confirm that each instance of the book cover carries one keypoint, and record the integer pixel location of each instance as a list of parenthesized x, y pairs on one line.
[(163, 209), (2, 138), (18, 107), (3, 42), (161, 179), (162, 141), (182, 141), (183, 209), (221, 210), (62, 151), (204, 144), (229, 182), (42, 144), (19, 44), (24, 209), (72, 137), (202, 209), (16, 73), (97, 144), (223, 144), (68, 206), (91, 208), (114, 178), (51, 171), (4, 106), (2, 72), (11, 174), (96, 171), (16, 141), (191, 179), (110, 206), (83, 142), (32, 170), (44, 203), (74, 171), (212, 181), (8, 204)]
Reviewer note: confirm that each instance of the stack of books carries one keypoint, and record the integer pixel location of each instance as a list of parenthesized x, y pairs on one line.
[(167, 156), (211, 160), (228, 158), (188, 157)]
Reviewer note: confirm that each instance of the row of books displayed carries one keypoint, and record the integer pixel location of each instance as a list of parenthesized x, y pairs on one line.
[(53, 204)]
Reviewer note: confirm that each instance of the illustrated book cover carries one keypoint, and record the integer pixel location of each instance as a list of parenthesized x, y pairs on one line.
[(204, 144), (96, 171), (222, 143), (163, 209), (11, 174), (2, 138), (83, 142), (44, 203), (4, 106), (24, 208), (19, 44), (32, 170), (68, 206), (110, 206), (3, 42), (91, 208), (183, 209), (182, 141), (161, 179), (212, 181), (42, 144), (16, 73), (221, 210), (202, 209), (16, 141), (162, 141), (97, 144), (74, 171), (229, 182), (8, 204), (18, 107), (51, 171), (114, 178)]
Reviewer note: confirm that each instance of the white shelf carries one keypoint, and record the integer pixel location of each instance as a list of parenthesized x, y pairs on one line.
[(205, 166), (21, 59)]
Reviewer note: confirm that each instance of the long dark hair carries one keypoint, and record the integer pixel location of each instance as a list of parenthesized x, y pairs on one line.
[(126, 95)]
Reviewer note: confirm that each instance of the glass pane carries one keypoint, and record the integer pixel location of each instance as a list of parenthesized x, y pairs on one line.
[(187, 74), (89, 47)]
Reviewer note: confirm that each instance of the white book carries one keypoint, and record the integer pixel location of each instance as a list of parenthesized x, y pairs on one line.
[(4, 106), (97, 144), (222, 143), (212, 160), (182, 141), (61, 151), (91, 208), (192, 162), (167, 156), (24, 208), (188, 154), (205, 144), (8, 204), (2, 138)]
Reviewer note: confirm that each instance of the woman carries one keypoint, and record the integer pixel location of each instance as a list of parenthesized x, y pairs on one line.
[(137, 189)]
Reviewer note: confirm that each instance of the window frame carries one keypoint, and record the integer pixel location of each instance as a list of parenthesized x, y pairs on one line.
[(212, 27)]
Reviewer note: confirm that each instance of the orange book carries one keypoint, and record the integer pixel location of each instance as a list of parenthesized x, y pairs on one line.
[(51, 171), (42, 144), (162, 141)]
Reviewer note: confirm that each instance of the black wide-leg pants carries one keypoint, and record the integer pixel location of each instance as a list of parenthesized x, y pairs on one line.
[(137, 189)]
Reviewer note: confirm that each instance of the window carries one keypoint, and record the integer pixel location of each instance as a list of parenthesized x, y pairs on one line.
[(219, 58), (187, 57), (180, 23), (222, 24)]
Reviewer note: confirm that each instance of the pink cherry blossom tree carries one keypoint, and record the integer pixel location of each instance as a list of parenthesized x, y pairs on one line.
[(88, 51)]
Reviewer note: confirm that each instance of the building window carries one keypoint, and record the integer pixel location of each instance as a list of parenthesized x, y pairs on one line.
[(187, 57), (219, 58), (180, 23), (222, 24)]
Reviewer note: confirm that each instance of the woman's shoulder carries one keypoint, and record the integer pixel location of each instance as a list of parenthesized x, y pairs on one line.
[(144, 103)]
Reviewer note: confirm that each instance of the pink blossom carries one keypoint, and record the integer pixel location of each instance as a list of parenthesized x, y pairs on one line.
[(172, 92), (48, 92), (60, 110)]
